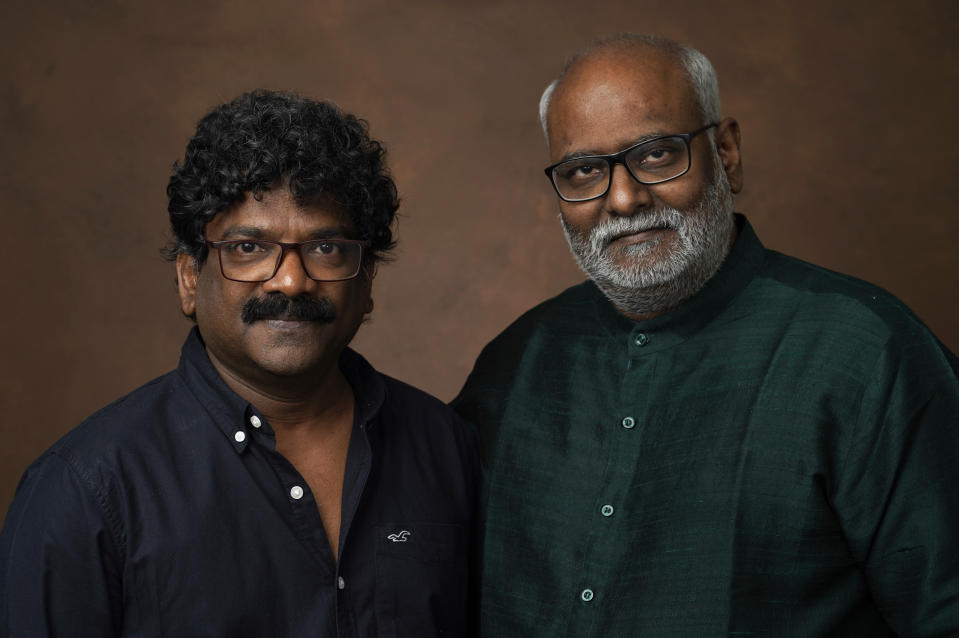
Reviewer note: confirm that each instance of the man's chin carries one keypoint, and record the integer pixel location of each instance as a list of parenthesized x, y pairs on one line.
[(279, 362), (643, 271), (635, 260)]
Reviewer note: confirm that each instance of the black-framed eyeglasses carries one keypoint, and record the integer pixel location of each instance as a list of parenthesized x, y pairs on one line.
[(256, 260), (654, 161)]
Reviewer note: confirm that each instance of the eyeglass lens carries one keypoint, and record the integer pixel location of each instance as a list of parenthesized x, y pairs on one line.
[(324, 260), (655, 161)]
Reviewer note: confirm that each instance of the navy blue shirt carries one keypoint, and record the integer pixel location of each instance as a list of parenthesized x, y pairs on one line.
[(169, 513)]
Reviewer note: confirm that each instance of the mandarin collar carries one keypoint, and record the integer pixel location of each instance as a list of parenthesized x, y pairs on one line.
[(680, 323)]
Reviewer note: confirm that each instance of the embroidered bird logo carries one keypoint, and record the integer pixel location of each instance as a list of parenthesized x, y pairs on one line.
[(400, 537)]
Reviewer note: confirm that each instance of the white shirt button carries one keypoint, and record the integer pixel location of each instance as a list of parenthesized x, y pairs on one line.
[(255, 421), (296, 492), (629, 423), (587, 595), (240, 436), (340, 583), (607, 510)]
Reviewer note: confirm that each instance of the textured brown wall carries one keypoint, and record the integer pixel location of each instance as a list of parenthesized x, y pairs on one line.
[(849, 133)]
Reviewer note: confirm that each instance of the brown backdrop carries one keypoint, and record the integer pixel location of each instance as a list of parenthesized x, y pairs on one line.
[(847, 110)]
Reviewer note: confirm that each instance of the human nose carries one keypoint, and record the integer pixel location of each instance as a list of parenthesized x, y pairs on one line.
[(290, 277), (626, 195)]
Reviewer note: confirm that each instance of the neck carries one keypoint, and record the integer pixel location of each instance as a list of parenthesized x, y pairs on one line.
[(315, 401), (646, 303), (643, 304)]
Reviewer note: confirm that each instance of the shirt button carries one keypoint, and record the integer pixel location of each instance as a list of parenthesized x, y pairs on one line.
[(340, 583), (239, 436), (587, 595), (255, 421), (607, 510), (629, 422), (641, 339), (296, 492)]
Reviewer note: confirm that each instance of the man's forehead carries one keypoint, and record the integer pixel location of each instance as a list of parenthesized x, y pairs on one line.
[(278, 209), (650, 88), (636, 61)]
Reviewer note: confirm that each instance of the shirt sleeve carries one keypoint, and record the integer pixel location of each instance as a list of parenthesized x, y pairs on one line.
[(897, 496), (59, 557)]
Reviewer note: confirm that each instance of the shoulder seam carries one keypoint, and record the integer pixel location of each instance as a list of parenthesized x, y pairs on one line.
[(109, 515)]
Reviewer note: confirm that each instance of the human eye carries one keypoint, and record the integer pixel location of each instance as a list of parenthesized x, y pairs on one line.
[(582, 171), (324, 248), (245, 249), (660, 153), (328, 253)]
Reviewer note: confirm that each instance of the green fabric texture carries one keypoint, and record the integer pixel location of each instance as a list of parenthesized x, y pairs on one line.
[(779, 456)]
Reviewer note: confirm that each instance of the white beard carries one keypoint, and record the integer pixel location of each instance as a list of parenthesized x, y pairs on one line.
[(651, 284)]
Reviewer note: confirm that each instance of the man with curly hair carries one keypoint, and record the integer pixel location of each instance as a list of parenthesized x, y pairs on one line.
[(274, 484)]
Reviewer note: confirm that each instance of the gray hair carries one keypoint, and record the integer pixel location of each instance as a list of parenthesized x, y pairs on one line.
[(699, 70)]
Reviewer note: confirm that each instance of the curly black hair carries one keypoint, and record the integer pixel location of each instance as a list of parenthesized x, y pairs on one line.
[(262, 137)]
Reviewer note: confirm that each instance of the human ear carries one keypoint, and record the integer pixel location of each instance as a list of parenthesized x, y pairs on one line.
[(728, 140), (368, 274), (187, 271), (369, 291)]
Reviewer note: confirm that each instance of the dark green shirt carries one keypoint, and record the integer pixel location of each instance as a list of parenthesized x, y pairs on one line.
[(779, 456)]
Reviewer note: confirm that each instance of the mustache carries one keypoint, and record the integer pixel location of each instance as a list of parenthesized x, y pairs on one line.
[(276, 305), (604, 233)]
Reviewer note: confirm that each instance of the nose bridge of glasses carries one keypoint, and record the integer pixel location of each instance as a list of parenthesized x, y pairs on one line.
[(620, 158), (624, 157), (625, 189), (282, 262)]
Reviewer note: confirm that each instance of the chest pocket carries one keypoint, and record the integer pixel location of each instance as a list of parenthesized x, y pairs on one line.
[(421, 580)]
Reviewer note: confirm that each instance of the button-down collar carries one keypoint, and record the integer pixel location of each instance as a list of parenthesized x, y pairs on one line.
[(239, 420)]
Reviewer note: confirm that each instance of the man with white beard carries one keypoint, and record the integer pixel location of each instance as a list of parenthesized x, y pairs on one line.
[(707, 437)]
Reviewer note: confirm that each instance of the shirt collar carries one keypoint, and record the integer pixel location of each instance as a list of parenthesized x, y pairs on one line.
[(369, 390), (692, 315), (228, 410), (236, 418)]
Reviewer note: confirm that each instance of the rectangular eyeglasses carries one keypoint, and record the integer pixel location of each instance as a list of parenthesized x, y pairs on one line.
[(256, 260), (654, 161)]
